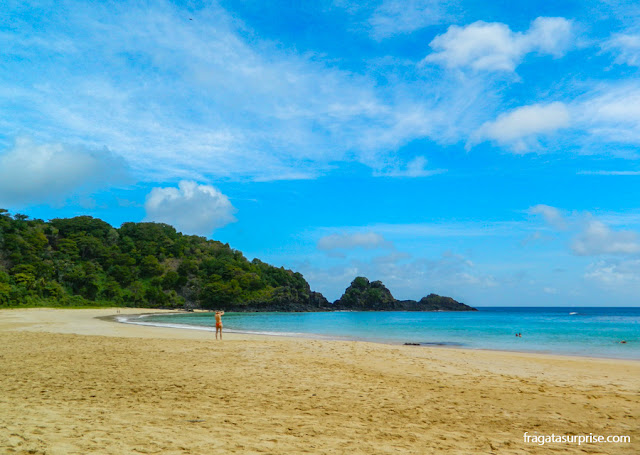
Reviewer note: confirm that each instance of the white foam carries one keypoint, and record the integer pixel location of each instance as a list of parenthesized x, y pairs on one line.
[(135, 320), (126, 320)]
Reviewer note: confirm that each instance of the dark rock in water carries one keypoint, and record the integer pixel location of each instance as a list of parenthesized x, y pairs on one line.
[(412, 344), (441, 343), (363, 295), (435, 302)]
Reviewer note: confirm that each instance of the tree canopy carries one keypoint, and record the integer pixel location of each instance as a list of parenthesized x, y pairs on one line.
[(85, 261)]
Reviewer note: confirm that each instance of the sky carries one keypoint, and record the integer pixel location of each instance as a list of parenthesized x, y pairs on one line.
[(487, 151)]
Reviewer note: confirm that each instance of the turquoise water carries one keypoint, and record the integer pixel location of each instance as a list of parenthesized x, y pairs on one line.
[(572, 331)]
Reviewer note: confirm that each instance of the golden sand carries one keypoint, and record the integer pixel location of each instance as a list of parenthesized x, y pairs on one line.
[(74, 384)]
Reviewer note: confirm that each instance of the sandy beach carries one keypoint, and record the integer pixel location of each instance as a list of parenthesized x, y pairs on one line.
[(74, 384)]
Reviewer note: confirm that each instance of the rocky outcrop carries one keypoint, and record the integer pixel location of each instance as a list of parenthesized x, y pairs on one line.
[(363, 295), (433, 302)]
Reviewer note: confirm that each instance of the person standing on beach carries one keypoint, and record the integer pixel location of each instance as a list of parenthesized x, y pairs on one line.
[(219, 323)]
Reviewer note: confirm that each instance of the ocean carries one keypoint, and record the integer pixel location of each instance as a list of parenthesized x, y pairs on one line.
[(593, 332)]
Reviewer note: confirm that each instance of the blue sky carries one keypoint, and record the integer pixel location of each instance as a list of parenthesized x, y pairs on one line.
[(482, 150)]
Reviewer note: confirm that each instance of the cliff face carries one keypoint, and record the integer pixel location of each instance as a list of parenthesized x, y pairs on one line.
[(362, 295), (311, 301)]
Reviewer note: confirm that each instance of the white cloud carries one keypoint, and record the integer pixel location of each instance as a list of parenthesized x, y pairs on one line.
[(615, 273), (32, 173), (610, 114), (191, 208), (598, 238), (394, 17), (551, 215), (550, 36), (625, 47), (417, 167), (520, 128), (367, 240), (484, 46), (618, 105), (481, 46)]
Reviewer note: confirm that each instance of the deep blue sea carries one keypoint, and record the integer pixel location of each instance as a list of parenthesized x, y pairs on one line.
[(595, 332)]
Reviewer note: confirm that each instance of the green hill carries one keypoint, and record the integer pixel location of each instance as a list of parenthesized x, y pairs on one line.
[(84, 261)]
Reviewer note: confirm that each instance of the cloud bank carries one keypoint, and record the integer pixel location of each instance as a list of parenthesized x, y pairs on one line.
[(35, 173), (197, 99)]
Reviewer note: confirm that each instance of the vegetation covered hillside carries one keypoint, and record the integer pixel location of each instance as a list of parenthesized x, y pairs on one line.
[(85, 261)]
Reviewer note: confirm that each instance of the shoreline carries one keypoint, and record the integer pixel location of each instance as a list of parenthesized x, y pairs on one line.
[(314, 336), (72, 383), (168, 332)]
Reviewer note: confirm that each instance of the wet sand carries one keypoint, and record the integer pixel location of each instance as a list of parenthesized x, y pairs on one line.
[(74, 384)]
